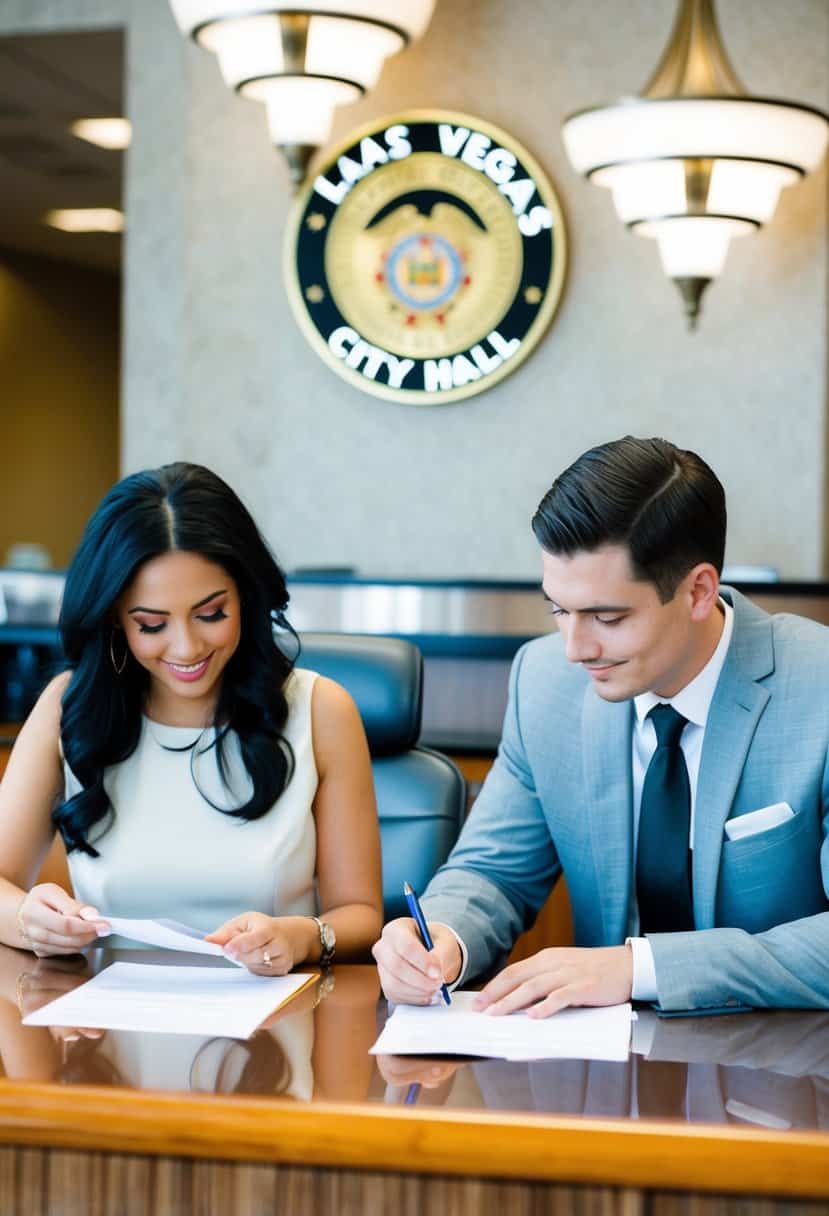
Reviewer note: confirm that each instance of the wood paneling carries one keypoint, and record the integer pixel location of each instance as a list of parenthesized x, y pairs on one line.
[(38, 1182), (601, 1152)]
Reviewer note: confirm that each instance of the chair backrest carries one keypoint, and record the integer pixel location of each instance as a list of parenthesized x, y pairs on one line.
[(420, 793)]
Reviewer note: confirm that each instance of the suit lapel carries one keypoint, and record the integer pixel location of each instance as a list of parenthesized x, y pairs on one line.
[(606, 747), (732, 720)]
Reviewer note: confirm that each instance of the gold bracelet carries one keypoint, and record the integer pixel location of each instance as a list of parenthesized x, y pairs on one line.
[(21, 928), (18, 989)]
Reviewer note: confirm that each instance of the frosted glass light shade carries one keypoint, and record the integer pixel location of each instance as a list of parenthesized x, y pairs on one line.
[(302, 58), (250, 48), (748, 189), (645, 129), (696, 159), (693, 246), (410, 16), (301, 108)]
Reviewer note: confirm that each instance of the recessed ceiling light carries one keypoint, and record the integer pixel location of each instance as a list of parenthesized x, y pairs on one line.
[(105, 132), (87, 219)]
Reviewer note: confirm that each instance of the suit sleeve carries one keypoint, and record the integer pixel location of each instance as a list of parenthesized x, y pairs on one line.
[(504, 863), (784, 967)]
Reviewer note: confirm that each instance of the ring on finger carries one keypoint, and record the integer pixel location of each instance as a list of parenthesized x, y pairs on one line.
[(266, 959)]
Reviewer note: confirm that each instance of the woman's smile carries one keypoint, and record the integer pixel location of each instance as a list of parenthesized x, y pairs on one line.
[(188, 671)]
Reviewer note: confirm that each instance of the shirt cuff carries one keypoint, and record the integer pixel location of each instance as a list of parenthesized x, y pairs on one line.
[(644, 970), (464, 953)]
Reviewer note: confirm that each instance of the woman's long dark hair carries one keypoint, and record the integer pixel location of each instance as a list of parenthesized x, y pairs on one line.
[(184, 507)]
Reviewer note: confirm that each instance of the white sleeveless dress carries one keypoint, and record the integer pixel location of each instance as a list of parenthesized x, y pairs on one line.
[(169, 853)]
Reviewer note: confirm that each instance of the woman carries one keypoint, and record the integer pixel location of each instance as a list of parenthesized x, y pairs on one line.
[(191, 771)]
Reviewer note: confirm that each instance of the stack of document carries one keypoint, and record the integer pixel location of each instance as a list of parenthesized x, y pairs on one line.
[(460, 1030)]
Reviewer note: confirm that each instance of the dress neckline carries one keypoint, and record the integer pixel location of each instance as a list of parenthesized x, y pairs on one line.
[(164, 733)]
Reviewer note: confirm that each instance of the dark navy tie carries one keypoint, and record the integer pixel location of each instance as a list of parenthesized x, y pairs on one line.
[(663, 860)]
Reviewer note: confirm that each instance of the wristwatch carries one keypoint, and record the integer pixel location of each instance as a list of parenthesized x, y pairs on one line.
[(328, 941)]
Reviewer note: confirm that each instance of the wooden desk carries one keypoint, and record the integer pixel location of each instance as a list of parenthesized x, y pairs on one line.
[(484, 1136)]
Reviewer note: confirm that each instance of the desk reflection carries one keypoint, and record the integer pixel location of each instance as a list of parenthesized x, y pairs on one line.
[(761, 1070), (298, 1053), (764, 1069)]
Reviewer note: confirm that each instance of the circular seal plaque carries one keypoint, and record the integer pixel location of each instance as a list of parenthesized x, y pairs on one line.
[(426, 259)]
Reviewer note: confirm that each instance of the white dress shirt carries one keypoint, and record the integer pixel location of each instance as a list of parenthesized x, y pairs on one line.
[(693, 702)]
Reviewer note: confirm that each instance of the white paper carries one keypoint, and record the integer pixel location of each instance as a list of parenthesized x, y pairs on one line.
[(460, 1030), (169, 934), (173, 1000)]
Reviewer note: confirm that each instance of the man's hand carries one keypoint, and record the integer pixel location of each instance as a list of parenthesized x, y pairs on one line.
[(558, 977), (411, 974), (405, 1070)]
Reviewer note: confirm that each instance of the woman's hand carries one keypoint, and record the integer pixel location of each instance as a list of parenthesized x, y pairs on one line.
[(52, 922), (267, 945), (45, 983)]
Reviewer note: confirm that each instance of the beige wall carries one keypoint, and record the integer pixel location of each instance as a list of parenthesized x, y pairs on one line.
[(59, 387), (216, 369)]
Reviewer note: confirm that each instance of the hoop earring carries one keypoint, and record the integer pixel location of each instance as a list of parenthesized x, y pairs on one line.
[(116, 668)]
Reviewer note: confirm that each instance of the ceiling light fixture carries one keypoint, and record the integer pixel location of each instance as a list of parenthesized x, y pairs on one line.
[(110, 133), (695, 160), (86, 219), (302, 59)]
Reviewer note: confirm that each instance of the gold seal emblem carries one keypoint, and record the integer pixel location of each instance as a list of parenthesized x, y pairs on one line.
[(427, 257)]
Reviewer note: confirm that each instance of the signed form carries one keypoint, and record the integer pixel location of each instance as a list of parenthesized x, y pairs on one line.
[(460, 1030), (173, 1000)]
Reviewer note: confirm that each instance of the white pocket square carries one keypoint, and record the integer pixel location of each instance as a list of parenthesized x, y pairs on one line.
[(758, 821)]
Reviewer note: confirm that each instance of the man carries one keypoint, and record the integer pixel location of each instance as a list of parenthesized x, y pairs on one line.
[(666, 750)]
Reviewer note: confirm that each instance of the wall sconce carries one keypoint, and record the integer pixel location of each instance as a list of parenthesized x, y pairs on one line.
[(302, 59), (695, 160)]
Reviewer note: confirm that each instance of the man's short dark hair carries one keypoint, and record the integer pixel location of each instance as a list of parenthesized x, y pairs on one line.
[(666, 505)]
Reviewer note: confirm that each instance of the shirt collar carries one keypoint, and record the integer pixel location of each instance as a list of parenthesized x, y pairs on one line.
[(694, 700)]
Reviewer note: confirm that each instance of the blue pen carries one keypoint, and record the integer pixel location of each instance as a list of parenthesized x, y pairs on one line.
[(422, 928)]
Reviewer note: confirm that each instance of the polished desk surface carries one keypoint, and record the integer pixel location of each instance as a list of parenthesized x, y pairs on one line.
[(736, 1103)]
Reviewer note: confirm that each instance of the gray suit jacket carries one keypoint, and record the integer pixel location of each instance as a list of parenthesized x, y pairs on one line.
[(559, 798)]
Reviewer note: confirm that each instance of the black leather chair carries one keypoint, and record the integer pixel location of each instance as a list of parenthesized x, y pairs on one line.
[(420, 793)]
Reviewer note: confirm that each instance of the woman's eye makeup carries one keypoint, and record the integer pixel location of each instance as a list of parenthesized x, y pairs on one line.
[(209, 618), (218, 614), (142, 628)]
